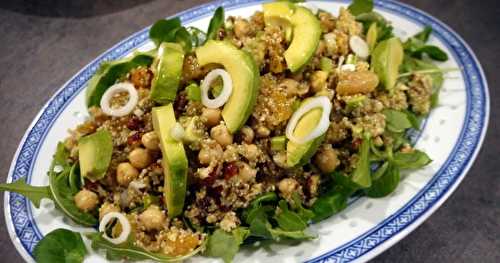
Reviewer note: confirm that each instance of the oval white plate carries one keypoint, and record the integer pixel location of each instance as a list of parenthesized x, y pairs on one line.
[(452, 136)]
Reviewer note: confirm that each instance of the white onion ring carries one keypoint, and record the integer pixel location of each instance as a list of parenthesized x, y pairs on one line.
[(177, 132), (317, 102), (126, 228), (227, 88), (359, 47), (348, 67), (128, 107)]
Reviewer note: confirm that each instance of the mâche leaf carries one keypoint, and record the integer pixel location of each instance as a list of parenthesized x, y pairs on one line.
[(60, 245), (360, 6), (34, 193), (225, 245), (215, 24)]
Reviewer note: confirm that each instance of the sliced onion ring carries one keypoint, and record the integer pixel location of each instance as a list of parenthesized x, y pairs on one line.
[(227, 88), (125, 109), (359, 47), (317, 102), (126, 228)]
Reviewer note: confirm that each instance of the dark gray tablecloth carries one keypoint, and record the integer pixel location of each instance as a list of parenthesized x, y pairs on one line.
[(43, 43)]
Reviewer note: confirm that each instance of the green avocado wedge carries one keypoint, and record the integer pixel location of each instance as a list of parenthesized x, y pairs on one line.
[(245, 77), (167, 72), (110, 72), (306, 31), (94, 154), (299, 154), (175, 162), (386, 58)]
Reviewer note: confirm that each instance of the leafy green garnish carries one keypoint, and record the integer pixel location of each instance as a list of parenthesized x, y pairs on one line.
[(396, 121), (328, 205), (164, 30), (225, 245), (360, 6), (385, 181), (411, 160), (383, 27), (361, 174), (34, 193), (62, 192), (131, 252), (215, 24), (289, 220), (415, 46), (110, 72), (198, 37), (60, 245)]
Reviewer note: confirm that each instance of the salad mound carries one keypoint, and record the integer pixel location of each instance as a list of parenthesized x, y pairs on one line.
[(248, 132)]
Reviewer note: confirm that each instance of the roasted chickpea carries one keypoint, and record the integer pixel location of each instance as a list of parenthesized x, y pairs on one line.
[(288, 186), (209, 153), (241, 28), (246, 173), (126, 173), (251, 151), (151, 141), (263, 132), (247, 134), (86, 200), (326, 159), (313, 185), (140, 158), (221, 134), (211, 117), (152, 218), (106, 208)]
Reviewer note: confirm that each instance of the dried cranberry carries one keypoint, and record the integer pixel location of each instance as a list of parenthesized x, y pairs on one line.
[(230, 170), (180, 103), (92, 186), (134, 138), (210, 180), (134, 123)]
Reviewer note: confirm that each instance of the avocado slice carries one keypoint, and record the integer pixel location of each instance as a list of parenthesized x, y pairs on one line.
[(167, 72), (299, 154), (175, 162), (306, 31), (244, 74), (94, 154), (385, 61), (109, 72)]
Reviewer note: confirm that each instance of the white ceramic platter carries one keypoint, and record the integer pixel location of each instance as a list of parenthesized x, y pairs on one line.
[(452, 136)]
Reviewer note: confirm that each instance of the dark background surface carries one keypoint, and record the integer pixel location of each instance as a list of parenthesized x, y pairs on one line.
[(44, 43)]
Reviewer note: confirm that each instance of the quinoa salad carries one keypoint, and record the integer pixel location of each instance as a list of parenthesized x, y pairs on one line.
[(250, 131)]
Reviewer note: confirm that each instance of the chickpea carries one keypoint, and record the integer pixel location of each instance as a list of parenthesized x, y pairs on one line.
[(326, 159), (263, 132), (210, 153), (221, 134), (151, 141), (140, 158), (126, 173), (211, 117), (241, 28), (288, 186), (106, 208), (290, 85), (247, 134), (86, 200), (152, 218), (246, 173), (251, 151)]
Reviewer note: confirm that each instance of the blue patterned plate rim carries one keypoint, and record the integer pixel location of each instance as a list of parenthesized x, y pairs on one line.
[(25, 233)]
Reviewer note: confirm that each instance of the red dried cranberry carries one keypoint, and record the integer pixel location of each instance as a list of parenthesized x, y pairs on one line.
[(180, 103), (134, 123), (230, 170), (134, 138)]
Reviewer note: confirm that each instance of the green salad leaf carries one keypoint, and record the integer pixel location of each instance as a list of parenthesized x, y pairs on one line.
[(385, 181), (34, 193), (225, 245), (60, 245), (215, 24), (415, 46), (382, 26), (164, 30), (361, 174), (63, 193), (131, 252), (411, 160), (328, 205), (397, 121), (360, 6)]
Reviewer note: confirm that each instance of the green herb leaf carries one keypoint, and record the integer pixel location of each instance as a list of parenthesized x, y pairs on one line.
[(60, 245), (424, 34), (360, 6), (216, 23), (386, 182), (289, 220), (396, 121), (304, 213), (278, 233), (384, 28), (63, 194), (198, 37), (414, 119), (411, 65), (34, 193), (411, 160), (162, 30), (328, 205), (432, 51), (361, 174), (75, 180), (131, 252), (225, 245), (415, 46)]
